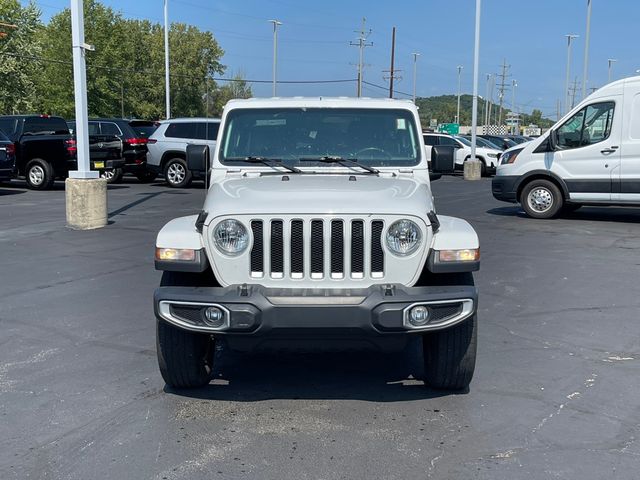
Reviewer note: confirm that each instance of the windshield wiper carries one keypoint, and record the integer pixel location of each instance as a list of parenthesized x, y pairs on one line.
[(269, 162), (348, 162)]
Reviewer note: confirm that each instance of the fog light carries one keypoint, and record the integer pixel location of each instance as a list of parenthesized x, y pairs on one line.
[(419, 316), (214, 317)]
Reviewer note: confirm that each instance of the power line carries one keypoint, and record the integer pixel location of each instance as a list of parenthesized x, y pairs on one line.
[(386, 88)]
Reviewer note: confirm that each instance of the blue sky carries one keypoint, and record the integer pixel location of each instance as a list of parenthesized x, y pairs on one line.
[(314, 41)]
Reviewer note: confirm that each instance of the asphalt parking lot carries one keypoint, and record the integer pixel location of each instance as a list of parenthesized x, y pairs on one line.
[(556, 391)]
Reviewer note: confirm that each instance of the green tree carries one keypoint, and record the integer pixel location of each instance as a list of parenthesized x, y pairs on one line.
[(17, 49), (236, 88)]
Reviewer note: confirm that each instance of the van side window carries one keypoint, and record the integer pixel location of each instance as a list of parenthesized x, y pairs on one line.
[(590, 125)]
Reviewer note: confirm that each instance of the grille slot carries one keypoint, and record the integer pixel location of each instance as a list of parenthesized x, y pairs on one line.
[(257, 250), (277, 249), (317, 248), (357, 249), (297, 249), (337, 248), (377, 254)]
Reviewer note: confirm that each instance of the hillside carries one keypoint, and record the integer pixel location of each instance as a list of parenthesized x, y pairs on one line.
[(443, 108)]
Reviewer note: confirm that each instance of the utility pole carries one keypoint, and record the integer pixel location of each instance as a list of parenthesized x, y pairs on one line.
[(276, 24), (502, 87), (572, 92), (415, 73), (486, 103), (459, 67), (476, 62), (392, 71), (610, 61), (361, 43), (166, 59), (121, 99), (570, 37), (585, 68), (491, 87)]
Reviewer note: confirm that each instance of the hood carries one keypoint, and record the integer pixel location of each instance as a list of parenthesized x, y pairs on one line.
[(318, 194)]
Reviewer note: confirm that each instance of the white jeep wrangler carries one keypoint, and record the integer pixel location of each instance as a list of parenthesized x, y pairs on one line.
[(318, 226)]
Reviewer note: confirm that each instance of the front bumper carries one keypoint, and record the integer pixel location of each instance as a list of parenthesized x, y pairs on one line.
[(505, 188), (253, 310)]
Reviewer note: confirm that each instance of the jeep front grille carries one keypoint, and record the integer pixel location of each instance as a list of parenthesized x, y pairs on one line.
[(317, 249)]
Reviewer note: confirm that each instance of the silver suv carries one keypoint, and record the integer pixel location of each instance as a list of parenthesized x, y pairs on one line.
[(168, 145)]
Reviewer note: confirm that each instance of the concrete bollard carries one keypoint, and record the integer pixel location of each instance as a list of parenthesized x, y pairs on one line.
[(86, 203), (472, 170)]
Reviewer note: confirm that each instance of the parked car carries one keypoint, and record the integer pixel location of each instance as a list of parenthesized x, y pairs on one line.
[(44, 148), (502, 141), (590, 156), (488, 156), (7, 157), (133, 135), (168, 146), (304, 243), (519, 138), (483, 142)]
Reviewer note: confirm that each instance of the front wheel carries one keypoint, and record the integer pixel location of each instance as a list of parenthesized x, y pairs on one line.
[(185, 358), (541, 199), (450, 356), (177, 174)]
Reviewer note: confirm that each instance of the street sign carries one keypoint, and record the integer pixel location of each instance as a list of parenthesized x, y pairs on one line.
[(450, 128)]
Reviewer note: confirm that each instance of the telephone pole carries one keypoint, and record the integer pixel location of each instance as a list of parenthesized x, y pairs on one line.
[(361, 43), (572, 92), (502, 87), (392, 71)]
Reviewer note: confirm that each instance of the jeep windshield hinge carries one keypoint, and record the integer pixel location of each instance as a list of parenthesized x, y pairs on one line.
[(433, 218), (202, 217)]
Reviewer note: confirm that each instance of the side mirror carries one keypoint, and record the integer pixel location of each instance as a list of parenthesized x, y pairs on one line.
[(442, 159), (552, 140), (198, 158)]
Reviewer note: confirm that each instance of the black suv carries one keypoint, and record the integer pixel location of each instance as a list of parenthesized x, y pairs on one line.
[(134, 135), (7, 157)]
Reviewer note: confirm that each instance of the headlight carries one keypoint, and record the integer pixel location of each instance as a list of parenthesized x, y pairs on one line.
[(509, 157), (231, 237), (492, 155), (403, 237)]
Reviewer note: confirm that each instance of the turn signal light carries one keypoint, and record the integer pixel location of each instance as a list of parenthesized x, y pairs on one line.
[(466, 255), (175, 254)]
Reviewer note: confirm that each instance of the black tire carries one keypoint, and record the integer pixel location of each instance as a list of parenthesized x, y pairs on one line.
[(39, 174), (185, 358), (450, 354), (541, 198), (146, 176), (176, 173), (113, 175)]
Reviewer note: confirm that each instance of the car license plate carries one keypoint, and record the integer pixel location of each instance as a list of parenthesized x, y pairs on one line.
[(98, 164)]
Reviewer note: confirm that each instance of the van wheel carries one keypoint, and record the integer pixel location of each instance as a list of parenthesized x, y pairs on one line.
[(39, 174), (146, 176), (177, 174), (541, 199)]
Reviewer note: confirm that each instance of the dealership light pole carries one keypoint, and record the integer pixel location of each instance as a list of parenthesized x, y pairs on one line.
[(459, 67), (486, 105), (276, 24), (85, 192), (610, 61), (516, 117), (166, 59), (585, 67), (476, 61), (570, 37), (415, 73)]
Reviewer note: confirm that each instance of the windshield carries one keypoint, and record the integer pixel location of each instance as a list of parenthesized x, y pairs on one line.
[(464, 141), (375, 137)]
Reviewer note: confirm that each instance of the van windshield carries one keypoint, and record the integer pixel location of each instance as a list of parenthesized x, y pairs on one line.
[(375, 137)]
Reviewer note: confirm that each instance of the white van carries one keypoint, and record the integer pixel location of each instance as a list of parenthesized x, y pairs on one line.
[(591, 156)]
